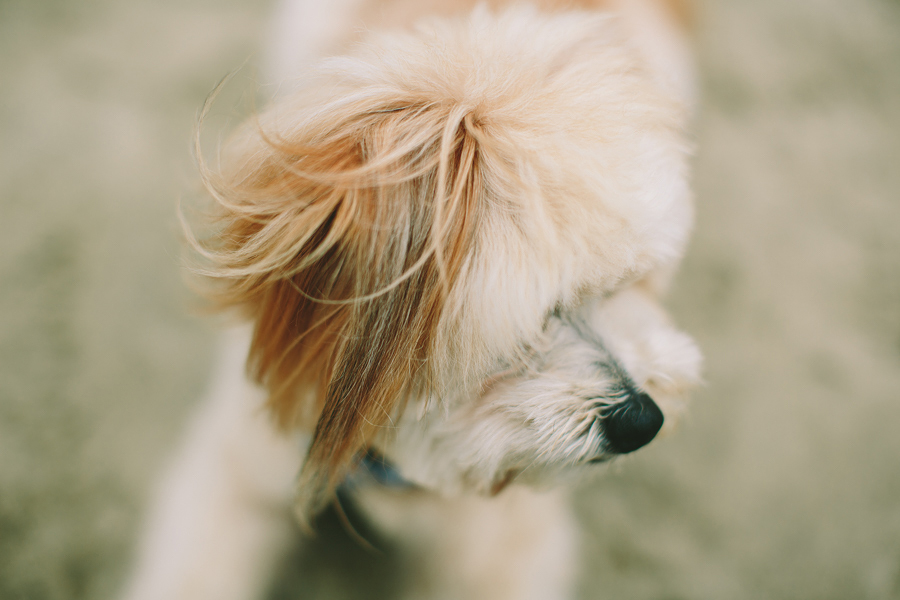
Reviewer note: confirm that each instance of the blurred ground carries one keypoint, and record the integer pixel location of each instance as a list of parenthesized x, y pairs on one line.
[(785, 482)]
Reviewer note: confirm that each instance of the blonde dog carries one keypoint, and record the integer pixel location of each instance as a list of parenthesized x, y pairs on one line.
[(449, 235)]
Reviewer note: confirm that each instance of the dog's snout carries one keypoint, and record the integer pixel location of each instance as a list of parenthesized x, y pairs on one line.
[(631, 424)]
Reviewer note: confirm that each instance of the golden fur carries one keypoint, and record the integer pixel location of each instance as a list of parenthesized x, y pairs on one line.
[(344, 231), (330, 242), (448, 241)]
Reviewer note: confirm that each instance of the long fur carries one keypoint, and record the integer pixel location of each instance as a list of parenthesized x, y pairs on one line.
[(450, 241), (392, 220)]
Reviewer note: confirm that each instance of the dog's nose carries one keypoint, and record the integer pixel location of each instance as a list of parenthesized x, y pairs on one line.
[(631, 424)]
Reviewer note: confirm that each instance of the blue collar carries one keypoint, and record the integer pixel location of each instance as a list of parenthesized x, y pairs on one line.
[(375, 469)]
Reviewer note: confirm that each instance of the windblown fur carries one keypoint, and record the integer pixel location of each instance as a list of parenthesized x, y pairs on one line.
[(448, 244), (407, 224)]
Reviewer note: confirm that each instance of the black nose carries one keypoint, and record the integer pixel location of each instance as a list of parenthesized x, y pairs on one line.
[(631, 424)]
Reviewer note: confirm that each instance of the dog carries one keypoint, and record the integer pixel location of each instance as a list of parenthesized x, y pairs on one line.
[(448, 237)]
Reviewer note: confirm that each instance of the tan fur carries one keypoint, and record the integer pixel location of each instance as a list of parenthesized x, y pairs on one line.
[(449, 242), (353, 231), (332, 242)]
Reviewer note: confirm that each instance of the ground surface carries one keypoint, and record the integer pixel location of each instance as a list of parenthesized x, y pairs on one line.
[(785, 482)]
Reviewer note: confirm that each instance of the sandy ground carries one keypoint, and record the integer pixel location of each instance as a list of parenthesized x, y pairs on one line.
[(784, 483)]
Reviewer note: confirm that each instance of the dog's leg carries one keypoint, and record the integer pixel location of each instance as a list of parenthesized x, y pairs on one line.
[(519, 545), (222, 514)]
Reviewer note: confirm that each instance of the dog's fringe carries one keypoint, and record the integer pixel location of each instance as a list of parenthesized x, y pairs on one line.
[(343, 243)]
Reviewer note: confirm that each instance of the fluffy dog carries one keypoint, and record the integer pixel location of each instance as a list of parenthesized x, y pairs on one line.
[(449, 240)]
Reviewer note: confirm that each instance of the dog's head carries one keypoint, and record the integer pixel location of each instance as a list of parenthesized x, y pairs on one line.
[(434, 221)]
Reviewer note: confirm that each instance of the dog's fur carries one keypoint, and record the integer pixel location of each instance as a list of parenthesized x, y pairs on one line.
[(450, 242)]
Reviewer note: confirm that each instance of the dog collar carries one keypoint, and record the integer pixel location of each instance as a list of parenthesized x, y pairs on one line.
[(374, 469)]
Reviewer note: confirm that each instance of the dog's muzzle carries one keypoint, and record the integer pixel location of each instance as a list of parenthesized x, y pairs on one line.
[(631, 424)]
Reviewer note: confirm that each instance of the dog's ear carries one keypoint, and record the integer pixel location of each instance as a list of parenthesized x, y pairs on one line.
[(342, 237)]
